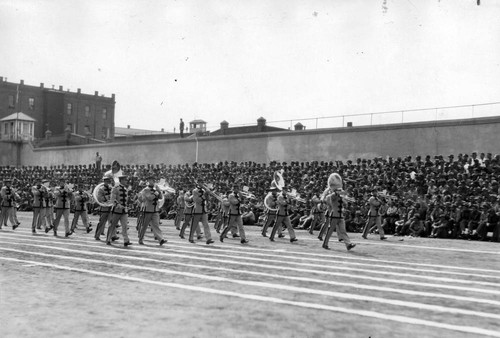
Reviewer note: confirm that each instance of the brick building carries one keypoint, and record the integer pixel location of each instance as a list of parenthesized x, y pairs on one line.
[(56, 109)]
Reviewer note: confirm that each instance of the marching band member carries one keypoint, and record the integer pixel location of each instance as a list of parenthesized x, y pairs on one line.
[(119, 211), (39, 204), (283, 216), (62, 194), (7, 194), (374, 216), (104, 197), (271, 211), (334, 200), (200, 214), (318, 211), (234, 215), (48, 215), (188, 215), (80, 198), (151, 212), (179, 216)]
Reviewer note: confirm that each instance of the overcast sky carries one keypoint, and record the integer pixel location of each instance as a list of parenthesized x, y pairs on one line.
[(239, 60)]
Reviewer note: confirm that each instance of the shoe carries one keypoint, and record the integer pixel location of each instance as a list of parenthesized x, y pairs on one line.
[(72, 231), (264, 235), (114, 238), (55, 233), (14, 227), (98, 238), (236, 236), (47, 230), (191, 241), (383, 238), (210, 241), (320, 238), (326, 247), (350, 246), (181, 236), (127, 244), (108, 243), (68, 234), (364, 237), (39, 228), (89, 229), (281, 236), (293, 240), (271, 239), (163, 241), (221, 238), (33, 231), (244, 241), (141, 242), (177, 228), (341, 240), (200, 237)]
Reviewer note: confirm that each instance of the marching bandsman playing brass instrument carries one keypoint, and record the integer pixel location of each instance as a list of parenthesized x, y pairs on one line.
[(234, 215), (200, 214), (119, 211), (334, 199), (48, 215), (283, 217), (62, 194), (81, 198), (318, 211), (7, 204), (179, 216), (151, 212), (271, 204), (103, 198), (39, 193), (188, 215), (374, 216)]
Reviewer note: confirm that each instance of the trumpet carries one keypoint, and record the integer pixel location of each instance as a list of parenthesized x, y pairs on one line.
[(387, 196), (247, 194), (210, 192)]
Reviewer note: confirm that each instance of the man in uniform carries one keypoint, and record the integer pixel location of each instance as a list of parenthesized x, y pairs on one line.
[(151, 215), (119, 211), (7, 204), (48, 215), (81, 199), (374, 216), (188, 215), (334, 201), (104, 197), (179, 216), (62, 194), (234, 215), (283, 216), (200, 214), (272, 203), (39, 205)]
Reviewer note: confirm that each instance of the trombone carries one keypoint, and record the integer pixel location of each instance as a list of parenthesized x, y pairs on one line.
[(210, 192)]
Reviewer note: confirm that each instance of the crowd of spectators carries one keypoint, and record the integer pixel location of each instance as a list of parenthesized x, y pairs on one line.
[(446, 197)]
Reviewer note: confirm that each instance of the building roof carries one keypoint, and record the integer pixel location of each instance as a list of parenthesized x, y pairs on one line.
[(245, 130), (119, 131), (18, 116), (198, 121)]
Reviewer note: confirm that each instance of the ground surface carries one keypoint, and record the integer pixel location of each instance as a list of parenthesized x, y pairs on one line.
[(55, 286)]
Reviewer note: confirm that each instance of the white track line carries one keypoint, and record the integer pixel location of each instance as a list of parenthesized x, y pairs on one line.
[(302, 279), (364, 313), (281, 287), (336, 267), (156, 252)]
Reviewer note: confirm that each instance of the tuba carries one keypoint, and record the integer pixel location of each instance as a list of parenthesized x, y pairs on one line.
[(95, 195), (278, 179), (267, 202)]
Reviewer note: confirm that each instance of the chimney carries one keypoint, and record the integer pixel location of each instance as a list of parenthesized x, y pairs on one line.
[(128, 126), (22, 82), (261, 123), (349, 124), (113, 96), (60, 88), (1, 78), (79, 91), (96, 93), (162, 130), (41, 84)]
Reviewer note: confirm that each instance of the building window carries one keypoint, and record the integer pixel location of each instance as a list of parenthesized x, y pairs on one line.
[(104, 133), (87, 111), (11, 101), (69, 108), (31, 103), (87, 130), (104, 113)]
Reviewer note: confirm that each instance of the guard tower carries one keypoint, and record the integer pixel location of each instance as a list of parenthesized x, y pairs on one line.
[(197, 126), (17, 127)]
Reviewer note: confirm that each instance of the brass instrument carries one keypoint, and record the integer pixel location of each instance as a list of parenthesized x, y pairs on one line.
[(165, 187), (295, 196), (94, 194), (267, 202), (387, 196), (208, 189)]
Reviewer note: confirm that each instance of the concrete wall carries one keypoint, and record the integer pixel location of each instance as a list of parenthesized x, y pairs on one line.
[(445, 137)]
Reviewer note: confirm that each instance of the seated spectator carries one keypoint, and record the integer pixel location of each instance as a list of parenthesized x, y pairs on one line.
[(247, 216)]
